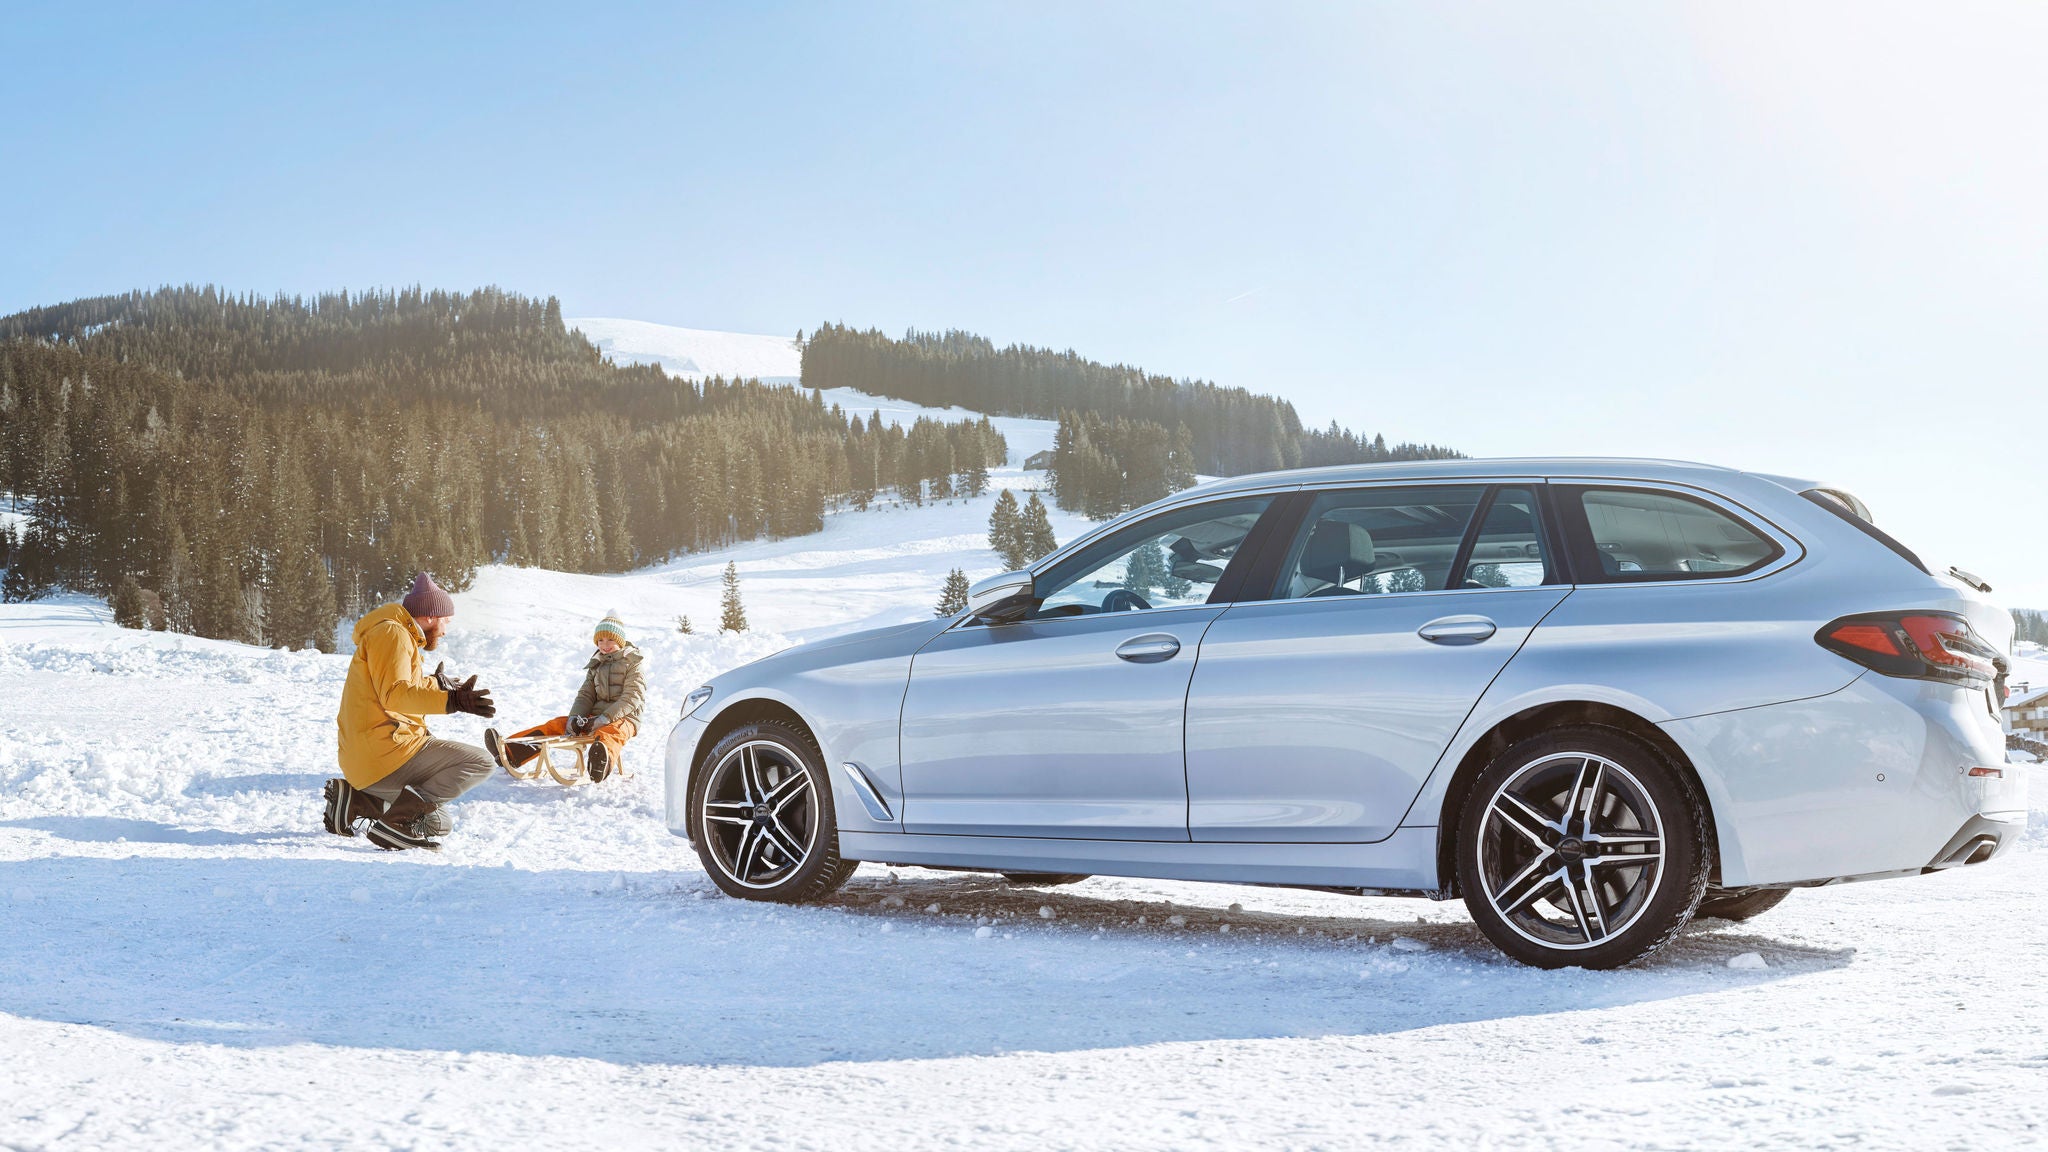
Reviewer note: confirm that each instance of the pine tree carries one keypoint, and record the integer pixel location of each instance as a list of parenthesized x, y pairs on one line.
[(1005, 531), (1035, 532), (1145, 569), (129, 610), (1174, 587), (952, 597), (1410, 579), (732, 615), (684, 626), (28, 569)]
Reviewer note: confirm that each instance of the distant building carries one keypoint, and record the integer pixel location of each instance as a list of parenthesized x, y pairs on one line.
[(1040, 461), (2026, 710)]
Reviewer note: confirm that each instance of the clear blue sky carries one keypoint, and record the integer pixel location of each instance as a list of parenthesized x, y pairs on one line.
[(1801, 238)]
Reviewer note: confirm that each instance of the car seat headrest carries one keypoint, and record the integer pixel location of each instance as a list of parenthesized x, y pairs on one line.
[(1337, 551)]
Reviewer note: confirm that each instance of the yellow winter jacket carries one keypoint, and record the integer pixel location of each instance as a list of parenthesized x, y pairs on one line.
[(380, 724)]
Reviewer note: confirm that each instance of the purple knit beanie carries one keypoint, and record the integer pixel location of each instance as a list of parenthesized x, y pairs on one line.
[(427, 599)]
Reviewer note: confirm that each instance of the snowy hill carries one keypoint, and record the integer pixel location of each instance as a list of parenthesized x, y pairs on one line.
[(189, 961), (695, 353), (865, 569)]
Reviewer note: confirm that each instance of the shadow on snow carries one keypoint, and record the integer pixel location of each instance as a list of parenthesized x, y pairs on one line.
[(395, 951)]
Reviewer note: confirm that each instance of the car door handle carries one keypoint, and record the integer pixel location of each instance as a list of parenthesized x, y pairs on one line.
[(1457, 630), (1148, 649)]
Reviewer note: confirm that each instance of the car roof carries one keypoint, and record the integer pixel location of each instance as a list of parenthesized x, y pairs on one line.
[(1592, 467)]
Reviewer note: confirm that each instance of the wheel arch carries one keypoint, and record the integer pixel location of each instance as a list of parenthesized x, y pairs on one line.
[(739, 714), (1538, 719)]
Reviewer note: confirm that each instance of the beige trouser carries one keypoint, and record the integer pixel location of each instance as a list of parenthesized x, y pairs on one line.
[(440, 771)]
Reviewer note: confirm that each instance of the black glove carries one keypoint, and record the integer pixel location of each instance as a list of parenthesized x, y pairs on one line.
[(582, 725), (442, 679), (467, 697)]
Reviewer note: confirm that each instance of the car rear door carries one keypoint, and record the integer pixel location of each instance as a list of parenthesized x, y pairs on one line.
[(1322, 701)]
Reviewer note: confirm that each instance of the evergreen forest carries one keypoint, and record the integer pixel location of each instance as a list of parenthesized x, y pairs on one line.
[(259, 468), (1126, 437)]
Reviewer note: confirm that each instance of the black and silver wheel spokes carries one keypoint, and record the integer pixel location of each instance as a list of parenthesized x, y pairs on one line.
[(760, 817), (1571, 851)]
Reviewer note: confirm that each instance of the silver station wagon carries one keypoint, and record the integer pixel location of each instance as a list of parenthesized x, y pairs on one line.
[(1592, 698)]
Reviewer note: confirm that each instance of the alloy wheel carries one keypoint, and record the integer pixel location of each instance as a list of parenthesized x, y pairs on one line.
[(1571, 851), (760, 814)]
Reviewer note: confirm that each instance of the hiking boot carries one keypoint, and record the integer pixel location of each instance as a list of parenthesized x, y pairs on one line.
[(397, 838), (495, 745), (334, 811), (597, 763), (411, 821), (345, 805)]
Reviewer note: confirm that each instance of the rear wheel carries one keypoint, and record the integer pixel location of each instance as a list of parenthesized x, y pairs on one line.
[(1740, 905), (1582, 846), (762, 819), (1044, 879)]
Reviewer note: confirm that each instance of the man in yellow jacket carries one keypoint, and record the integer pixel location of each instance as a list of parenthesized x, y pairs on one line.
[(394, 773)]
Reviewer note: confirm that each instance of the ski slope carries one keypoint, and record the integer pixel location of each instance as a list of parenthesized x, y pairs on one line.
[(866, 569), (189, 962), (695, 353)]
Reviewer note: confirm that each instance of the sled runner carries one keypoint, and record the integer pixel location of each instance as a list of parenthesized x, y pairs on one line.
[(564, 758)]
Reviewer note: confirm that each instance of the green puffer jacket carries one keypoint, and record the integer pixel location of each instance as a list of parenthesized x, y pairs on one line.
[(613, 687)]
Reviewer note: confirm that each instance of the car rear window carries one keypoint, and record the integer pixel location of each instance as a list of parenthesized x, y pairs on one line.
[(1638, 534)]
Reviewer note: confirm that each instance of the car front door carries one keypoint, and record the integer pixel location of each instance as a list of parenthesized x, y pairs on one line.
[(1317, 713), (1068, 723)]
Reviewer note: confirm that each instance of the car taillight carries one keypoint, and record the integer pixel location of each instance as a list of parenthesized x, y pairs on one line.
[(1920, 645)]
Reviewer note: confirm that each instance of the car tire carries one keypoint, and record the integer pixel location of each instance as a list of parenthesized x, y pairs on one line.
[(1545, 843), (1739, 905), (761, 816), (1044, 879)]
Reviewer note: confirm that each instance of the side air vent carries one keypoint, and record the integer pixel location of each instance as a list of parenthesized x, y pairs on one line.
[(870, 798)]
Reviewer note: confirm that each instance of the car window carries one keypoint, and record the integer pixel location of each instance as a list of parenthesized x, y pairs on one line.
[(1166, 561), (1508, 552), (1365, 541), (1638, 534)]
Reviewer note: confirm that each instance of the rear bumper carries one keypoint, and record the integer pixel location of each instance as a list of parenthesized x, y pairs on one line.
[(1983, 838), (1869, 781)]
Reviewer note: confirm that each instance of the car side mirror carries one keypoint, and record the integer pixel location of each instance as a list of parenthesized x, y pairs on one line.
[(1003, 599)]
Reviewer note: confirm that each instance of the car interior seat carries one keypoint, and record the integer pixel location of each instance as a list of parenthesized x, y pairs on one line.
[(1337, 551)]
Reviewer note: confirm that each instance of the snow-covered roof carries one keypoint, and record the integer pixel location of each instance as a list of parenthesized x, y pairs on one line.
[(2027, 698)]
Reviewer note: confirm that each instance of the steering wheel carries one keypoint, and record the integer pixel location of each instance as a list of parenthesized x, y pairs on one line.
[(1124, 600)]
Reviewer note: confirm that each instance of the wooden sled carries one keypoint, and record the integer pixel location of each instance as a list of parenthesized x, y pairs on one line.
[(562, 757)]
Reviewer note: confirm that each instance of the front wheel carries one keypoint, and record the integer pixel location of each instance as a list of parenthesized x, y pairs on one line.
[(1582, 846), (761, 816)]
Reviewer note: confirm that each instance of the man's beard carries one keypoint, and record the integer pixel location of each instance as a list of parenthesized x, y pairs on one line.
[(433, 642)]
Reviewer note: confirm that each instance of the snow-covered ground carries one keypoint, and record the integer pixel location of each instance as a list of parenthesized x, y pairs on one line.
[(695, 353), (13, 512), (866, 569), (188, 961)]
